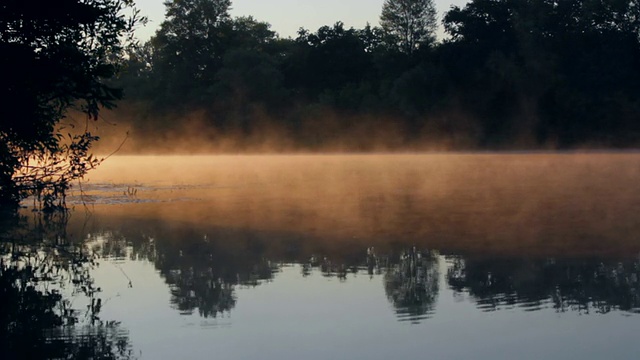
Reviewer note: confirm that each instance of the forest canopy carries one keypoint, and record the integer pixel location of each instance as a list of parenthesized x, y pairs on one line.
[(509, 74)]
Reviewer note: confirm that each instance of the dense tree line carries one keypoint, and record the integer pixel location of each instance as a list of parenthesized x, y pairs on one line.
[(511, 73)]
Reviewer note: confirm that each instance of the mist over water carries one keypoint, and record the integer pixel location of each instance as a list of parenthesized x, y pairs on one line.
[(327, 131), (537, 204)]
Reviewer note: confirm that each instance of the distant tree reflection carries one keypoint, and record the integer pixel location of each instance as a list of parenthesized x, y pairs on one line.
[(201, 270), (204, 275), (411, 284), (410, 279), (200, 289), (566, 285), (204, 267)]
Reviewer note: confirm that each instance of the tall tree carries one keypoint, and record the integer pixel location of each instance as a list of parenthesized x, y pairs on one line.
[(189, 46), (409, 24)]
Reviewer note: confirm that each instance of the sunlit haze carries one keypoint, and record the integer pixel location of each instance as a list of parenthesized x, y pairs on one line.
[(342, 192), (489, 203), (287, 16)]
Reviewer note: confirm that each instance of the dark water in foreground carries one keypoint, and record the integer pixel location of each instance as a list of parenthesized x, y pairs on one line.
[(510, 256)]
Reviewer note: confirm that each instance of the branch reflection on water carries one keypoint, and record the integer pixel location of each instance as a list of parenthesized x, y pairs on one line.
[(42, 273)]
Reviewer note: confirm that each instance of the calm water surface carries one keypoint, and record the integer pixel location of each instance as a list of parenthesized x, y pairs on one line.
[(458, 256)]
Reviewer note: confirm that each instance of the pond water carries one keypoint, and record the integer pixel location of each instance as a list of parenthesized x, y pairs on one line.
[(443, 256)]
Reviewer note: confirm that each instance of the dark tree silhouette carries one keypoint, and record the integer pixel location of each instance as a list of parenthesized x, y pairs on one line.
[(55, 58), (551, 71), (334, 58), (188, 49)]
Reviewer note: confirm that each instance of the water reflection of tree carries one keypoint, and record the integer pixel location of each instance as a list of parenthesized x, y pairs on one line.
[(201, 269), (203, 274), (411, 284), (410, 278), (204, 267), (576, 285), (40, 272)]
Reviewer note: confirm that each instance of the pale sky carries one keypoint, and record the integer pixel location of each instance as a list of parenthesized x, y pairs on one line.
[(287, 16)]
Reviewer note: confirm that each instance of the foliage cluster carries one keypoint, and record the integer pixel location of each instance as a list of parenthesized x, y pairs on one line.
[(55, 58)]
